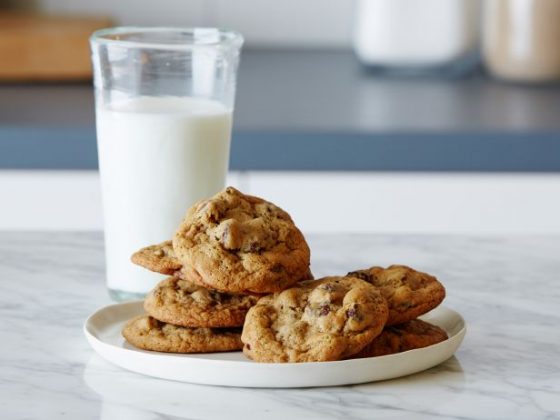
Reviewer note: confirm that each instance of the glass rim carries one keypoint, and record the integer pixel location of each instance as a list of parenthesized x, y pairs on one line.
[(227, 37)]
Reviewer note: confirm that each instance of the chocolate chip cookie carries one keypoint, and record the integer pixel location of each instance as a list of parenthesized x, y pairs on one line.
[(322, 320), (409, 293), (186, 304), (411, 335), (238, 243), (148, 333), (159, 258)]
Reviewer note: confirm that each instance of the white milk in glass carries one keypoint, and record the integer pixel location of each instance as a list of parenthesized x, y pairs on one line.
[(158, 155)]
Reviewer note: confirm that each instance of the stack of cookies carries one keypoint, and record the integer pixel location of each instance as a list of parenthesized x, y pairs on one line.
[(240, 261), (228, 251)]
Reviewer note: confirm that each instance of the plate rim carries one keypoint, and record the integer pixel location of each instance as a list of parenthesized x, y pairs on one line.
[(178, 357)]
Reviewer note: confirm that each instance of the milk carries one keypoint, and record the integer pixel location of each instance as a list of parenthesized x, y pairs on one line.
[(157, 156)]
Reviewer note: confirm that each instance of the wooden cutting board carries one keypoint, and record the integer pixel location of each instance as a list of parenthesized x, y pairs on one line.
[(46, 48)]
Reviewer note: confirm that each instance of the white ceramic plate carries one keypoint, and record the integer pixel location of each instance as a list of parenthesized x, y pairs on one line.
[(103, 331)]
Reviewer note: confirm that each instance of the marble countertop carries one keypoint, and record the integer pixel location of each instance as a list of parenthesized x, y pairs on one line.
[(507, 288)]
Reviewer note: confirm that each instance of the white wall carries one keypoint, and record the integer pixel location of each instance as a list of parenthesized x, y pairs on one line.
[(298, 23), (321, 202)]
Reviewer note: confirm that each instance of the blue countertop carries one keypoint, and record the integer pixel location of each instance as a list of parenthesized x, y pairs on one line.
[(320, 110)]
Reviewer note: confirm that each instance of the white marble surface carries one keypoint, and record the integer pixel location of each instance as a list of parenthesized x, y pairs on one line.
[(508, 290)]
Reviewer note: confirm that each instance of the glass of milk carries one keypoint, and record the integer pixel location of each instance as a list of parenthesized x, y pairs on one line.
[(164, 102)]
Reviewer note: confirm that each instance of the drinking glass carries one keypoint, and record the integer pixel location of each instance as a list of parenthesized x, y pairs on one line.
[(164, 102)]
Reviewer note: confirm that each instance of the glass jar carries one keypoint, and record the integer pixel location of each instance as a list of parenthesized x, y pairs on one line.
[(521, 39), (417, 35)]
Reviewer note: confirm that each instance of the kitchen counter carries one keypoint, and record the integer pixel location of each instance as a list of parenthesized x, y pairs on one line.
[(507, 288), (320, 110)]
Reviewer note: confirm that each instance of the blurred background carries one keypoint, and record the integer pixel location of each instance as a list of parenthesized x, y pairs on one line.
[(422, 116)]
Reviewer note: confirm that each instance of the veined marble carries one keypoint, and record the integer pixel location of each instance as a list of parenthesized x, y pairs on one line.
[(507, 288)]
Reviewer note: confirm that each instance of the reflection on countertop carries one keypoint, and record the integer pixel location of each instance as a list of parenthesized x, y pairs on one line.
[(126, 394)]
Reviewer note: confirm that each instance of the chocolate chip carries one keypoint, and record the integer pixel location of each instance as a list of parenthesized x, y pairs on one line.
[(216, 296), (329, 287), (225, 235), (324, 310), (248, 346), (360, 274), (405, 305), (277, 268), (254, 247), (351, 313)]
